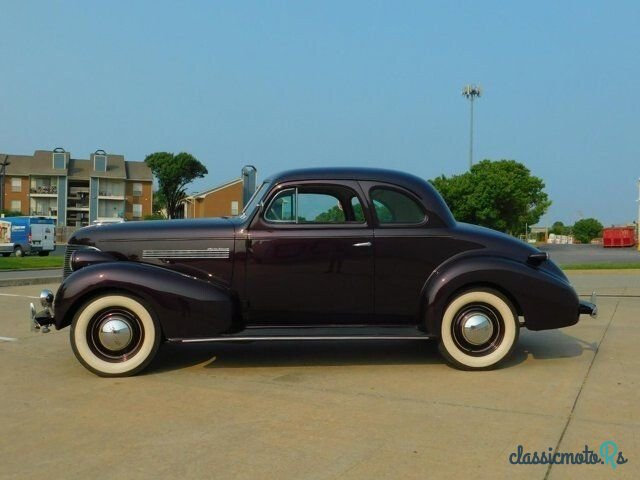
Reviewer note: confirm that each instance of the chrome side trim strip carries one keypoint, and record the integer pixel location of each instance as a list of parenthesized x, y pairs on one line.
[(205, 253), (311, 337)]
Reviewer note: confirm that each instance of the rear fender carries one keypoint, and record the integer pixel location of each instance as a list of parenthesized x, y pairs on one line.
[(546, 301), (186, 307)]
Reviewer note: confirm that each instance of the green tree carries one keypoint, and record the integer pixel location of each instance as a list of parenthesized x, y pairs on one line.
[(158, 205), (174, 173), (11, 213), (502, 195), (587, 229), (559, 228), (333, 215)]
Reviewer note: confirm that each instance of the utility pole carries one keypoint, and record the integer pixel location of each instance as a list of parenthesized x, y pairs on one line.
[(471, 92), (3, 168)]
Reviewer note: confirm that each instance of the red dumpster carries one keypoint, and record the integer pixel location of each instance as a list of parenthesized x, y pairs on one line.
[(619, 237)]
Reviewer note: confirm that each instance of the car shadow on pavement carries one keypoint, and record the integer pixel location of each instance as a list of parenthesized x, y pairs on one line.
[(547, 345), (550, 344), (295, 354)]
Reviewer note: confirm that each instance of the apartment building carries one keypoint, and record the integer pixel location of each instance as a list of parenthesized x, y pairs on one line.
[(77, 191)]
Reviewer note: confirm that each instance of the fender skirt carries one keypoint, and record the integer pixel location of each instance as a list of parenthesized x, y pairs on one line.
[(186, 307)]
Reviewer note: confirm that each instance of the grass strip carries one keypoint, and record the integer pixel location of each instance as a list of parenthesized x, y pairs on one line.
[(602, 266), (35, 262)]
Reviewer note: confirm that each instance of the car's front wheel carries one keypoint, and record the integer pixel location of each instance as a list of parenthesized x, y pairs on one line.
[(479, 329), (115, 335)]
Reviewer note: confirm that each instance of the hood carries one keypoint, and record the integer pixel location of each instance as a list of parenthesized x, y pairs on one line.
[(153, 231), (202, 248)]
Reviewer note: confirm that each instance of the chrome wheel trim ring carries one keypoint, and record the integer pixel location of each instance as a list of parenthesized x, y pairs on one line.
[(118, 346), (467, 341)]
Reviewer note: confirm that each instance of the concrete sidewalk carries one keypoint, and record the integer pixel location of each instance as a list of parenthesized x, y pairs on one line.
[(348, 410), (30, 277)]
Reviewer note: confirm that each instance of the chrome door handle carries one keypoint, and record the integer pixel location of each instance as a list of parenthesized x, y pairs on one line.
[(363, 244)]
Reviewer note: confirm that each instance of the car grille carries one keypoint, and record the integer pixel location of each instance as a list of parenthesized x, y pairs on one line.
[(66, 270)]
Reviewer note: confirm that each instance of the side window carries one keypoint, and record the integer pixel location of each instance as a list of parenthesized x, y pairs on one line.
[(393, 206), (319, 208), (322, 204), (358, 214), (282, 207)]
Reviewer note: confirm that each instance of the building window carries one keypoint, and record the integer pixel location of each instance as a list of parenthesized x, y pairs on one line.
[(16, 184), (44, 207), (111, 208), (111, 188), (59, 160), (100, 163), (234, 207), (137, 210), (44, 185), (16, 205), (137, 189)]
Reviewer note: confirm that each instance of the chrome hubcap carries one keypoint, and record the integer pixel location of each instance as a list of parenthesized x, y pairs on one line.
[(115, 333), (477, 328)]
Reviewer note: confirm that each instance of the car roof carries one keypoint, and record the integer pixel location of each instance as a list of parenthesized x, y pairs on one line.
[(407, 180), (417, 185)]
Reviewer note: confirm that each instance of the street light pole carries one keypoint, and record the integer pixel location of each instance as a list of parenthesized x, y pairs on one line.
[(3, 167), (471, 92)]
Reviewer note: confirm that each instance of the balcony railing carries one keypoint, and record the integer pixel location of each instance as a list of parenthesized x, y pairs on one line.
[(47, 213), (45, 189), (109, 193)]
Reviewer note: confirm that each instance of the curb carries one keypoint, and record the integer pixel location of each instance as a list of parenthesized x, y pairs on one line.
[(15, 282)]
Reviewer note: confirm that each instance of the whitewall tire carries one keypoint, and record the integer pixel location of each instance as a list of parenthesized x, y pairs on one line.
[(114, 335), (479, 329)]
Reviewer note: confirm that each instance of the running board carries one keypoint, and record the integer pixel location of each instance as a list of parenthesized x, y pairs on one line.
[(313, 333)]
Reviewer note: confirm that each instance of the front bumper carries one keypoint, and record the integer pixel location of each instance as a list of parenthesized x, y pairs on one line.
[(44, 319)]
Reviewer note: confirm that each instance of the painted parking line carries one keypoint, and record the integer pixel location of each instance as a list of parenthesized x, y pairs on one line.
[(14, 295), (8, 339)]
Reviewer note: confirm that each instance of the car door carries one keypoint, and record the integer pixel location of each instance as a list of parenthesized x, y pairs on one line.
[(404, 252), (310, 257)]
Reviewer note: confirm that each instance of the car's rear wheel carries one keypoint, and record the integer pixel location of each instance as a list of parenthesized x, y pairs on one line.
[(44, 253), (479, 329), (18, 251), (114, 335)]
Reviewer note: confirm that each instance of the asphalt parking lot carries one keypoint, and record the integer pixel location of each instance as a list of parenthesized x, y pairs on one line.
[(575, 254), (348, 410)]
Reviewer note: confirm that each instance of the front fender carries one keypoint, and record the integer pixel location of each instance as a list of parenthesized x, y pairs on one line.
[(186, 307), (546, 301)]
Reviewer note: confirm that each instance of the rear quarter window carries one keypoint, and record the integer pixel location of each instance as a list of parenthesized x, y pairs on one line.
[(396, 207)]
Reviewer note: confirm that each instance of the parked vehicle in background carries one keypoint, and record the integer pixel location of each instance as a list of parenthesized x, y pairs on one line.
[(619, 237), (27, 235), (108, 221), (5, 238)]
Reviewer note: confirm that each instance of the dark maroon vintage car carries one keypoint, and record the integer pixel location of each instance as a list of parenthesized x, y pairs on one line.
[(317, 254)]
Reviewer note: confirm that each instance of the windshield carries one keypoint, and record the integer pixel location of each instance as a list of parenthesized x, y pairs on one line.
[(255, 199)]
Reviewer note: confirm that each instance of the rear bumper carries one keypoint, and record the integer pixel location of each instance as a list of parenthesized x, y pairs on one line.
[(590, 307)]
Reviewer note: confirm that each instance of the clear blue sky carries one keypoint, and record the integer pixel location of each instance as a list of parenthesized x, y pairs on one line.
[(288, 84)]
